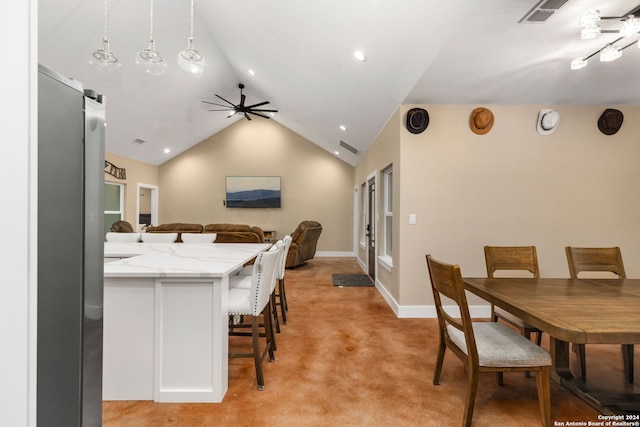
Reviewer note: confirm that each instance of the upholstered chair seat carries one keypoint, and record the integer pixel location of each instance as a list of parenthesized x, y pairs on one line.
[(198, 238), (123, 237), (159, 237), (498, 346)]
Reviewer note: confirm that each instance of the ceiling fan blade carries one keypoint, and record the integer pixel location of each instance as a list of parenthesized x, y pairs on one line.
[(230, 103), (247, 116), (257, 105), (214, 103), (258, 114), (264, 111), (226, 109)]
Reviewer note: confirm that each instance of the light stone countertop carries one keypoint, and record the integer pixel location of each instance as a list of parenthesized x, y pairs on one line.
[(178, 259)]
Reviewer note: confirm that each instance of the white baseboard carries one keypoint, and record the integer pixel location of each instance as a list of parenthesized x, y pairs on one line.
[(428, 311), (337, 254)]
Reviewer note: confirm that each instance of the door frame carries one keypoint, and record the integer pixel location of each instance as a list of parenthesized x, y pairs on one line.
[(373, 176), (154, 202)]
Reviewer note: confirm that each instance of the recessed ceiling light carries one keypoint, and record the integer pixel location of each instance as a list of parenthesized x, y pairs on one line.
[(167, 151), (360, 55), (253, 73), (343, 127), (337, 153), (273, 114)]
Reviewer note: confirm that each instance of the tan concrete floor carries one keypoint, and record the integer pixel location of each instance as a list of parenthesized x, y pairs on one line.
[(345, 359)]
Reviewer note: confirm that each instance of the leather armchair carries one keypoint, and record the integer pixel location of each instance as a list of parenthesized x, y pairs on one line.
[(303, 243)]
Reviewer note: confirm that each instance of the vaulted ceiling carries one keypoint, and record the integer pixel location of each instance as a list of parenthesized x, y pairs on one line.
[(418, 52)]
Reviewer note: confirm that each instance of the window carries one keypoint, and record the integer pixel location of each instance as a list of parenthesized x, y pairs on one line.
[(387, 247), (113, 203)]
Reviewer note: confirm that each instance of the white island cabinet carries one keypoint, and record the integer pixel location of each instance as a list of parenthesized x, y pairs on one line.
[(165, 319)]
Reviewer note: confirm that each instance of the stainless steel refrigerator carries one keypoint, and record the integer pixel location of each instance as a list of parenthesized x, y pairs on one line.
[(71, 136)]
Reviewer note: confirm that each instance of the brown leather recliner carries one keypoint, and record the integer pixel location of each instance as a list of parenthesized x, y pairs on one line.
[(175, 227), (303, 244), (235, 233), (122, 226)]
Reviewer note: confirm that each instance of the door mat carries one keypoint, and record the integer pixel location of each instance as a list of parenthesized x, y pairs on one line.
[(352, 280)]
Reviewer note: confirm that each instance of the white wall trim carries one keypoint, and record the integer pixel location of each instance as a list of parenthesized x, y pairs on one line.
[(337, 254), (428, 311)]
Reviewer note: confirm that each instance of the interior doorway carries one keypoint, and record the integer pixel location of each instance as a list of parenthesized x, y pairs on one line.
[(371, 229), (146, 205)]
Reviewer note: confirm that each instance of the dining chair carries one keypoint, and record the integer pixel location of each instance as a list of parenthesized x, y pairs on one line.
[(242, 280), (254, 302), (512, 258), (158, 237), (602, 260), (483, 346), (281, 295)]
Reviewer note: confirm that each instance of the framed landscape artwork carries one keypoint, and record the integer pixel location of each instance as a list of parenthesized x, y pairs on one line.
[(253, 192)]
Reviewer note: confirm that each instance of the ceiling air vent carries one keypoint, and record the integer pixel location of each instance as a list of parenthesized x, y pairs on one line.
[(542, 11), (351, 148), (138, 141)]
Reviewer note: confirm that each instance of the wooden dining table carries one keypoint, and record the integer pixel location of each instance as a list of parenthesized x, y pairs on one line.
[(581, 311)]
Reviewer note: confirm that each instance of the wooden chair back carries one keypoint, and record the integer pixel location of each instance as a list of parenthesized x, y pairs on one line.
[(595, 259), (446, 279), (522, 258)]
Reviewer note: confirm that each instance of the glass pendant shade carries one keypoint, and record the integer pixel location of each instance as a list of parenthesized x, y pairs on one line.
[(629, 26), (190, 60), (590, 32), (150, 61), (590, 17), (610, 53), (103, 61), (578, 63)]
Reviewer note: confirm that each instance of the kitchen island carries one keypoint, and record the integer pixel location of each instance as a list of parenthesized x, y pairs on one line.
[(165, 319)]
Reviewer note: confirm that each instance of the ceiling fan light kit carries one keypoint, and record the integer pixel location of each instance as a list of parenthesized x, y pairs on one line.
[(590, 23), (241, 108)]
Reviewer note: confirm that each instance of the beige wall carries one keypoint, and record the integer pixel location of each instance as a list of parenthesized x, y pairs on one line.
[(512, 186), (315, 184), (137, 172)]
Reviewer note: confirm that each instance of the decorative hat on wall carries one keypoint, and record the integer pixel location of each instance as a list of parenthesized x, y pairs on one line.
[(548, 121), (417, 120), (481, 121), (610, 121)]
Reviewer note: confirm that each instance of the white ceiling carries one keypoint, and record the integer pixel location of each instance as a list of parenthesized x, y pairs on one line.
[(419, 52)]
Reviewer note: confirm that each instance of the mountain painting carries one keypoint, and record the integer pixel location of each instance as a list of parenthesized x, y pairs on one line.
[(253, 192)]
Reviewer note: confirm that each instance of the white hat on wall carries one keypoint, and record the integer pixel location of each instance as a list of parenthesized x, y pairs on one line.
[(548, 121)]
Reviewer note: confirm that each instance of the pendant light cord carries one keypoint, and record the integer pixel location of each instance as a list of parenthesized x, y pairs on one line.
[(151, 23), (104, 37), (191, 19)]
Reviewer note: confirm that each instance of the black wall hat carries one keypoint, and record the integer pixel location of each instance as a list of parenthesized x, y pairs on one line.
[(610, 121), (417, 120)]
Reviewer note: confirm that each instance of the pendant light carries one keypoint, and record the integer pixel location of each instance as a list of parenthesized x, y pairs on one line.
[(190, 60), (149, 60), (102, 60)]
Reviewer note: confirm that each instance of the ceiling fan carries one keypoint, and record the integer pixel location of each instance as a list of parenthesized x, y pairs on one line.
[(241, 108)]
